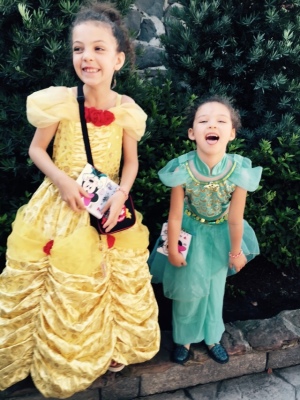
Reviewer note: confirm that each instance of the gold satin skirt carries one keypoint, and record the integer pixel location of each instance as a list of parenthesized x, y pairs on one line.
[(68, 307)]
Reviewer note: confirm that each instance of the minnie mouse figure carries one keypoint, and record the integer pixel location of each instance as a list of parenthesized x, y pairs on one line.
[(90, 185)]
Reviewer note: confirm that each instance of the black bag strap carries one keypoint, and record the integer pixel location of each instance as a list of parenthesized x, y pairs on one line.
[(80, 99)]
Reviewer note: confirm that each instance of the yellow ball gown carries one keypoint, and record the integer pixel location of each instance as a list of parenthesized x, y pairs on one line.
[(69, 303)]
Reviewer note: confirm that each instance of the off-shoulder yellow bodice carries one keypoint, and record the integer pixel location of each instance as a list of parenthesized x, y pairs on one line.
[(59, 105)]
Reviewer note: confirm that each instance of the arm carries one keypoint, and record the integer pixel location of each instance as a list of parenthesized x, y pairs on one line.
[(129, 173), (235, 223), (68, 188), (174, 226)]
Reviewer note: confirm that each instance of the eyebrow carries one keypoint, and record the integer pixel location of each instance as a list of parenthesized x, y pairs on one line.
[(219, 115), (95, 41)]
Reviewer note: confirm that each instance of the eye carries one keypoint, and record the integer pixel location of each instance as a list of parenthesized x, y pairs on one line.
[(202, 121), (77, 49), (98, 48)]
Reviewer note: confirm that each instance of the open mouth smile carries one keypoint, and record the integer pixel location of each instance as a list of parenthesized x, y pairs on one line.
[(211, 138), (90, 70)]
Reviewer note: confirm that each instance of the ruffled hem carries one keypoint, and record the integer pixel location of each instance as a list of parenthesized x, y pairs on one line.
[(208, 254), (68, 308)]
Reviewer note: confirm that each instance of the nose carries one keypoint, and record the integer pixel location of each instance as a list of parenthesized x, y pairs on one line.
[(212, 125), (87, 56)]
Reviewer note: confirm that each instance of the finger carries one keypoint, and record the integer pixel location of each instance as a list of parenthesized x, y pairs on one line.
[(108, 225), (84, 193), (80, 205), (72, 204), (105, 208)]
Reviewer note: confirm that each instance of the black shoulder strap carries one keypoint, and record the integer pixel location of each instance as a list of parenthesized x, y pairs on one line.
[(80, 99)]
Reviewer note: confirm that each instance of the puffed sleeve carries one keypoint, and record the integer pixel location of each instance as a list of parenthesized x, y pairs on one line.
[(49, 106), (131, 118), (174, 173), (244, 175)]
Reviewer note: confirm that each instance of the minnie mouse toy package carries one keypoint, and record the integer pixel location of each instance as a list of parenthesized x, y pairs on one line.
[(183, 241), (99, 187)]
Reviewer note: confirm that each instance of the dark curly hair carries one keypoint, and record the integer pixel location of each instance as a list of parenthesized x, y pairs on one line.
[(234, 114), (108, 14)]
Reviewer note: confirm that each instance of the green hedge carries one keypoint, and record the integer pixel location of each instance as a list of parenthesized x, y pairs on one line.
[(34, 56)]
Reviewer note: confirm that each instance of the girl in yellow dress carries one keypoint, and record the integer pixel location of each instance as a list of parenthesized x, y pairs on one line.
[(73, 303)]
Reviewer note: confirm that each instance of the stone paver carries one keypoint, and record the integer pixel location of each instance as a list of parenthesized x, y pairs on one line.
[(254, 346), (282, 384)]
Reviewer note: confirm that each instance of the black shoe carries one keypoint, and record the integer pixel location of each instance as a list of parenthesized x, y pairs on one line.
[(181, 354), (218, 353)]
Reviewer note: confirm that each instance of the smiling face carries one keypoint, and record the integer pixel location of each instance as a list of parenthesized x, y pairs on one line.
[(89, 183), (95, 55), (212, 130)]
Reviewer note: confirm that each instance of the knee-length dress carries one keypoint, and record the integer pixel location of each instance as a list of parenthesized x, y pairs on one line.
[(207, 199), (69, 302)]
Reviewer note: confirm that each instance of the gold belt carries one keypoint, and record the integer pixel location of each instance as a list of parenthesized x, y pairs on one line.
[(205, 221)]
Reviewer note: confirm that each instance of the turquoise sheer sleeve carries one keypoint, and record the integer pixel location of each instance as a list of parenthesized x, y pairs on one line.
[(173, 174), (244, 175)]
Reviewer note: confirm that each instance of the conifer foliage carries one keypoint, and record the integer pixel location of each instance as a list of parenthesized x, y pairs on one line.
[(249, 50), (34, 54)]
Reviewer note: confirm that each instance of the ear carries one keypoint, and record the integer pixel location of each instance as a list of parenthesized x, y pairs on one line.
[(191, 134), (233, 134), (120, 60)]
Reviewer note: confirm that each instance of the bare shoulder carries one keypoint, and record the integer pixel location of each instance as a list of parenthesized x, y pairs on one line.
[(126, 99), (74, 90)]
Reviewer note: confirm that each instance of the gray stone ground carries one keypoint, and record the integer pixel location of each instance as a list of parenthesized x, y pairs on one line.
[(282, 384), (264, 364)]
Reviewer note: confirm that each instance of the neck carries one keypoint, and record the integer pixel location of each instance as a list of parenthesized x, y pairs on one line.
[(210, 160), (100, 98)]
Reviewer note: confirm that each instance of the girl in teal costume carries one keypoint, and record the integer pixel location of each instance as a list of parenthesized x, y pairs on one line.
[(209, 189)]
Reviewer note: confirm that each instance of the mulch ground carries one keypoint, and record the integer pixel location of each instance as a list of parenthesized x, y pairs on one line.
[(261, 291)]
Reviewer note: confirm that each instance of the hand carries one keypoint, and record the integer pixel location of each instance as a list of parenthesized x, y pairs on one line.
[(237, 263), (114, 205), (71, 192), (177, 260)]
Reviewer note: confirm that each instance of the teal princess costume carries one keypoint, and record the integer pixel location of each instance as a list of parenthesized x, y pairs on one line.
[(197, 289)]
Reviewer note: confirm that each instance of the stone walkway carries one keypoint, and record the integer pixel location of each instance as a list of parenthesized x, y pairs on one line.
[(257, 348), (281, 384)]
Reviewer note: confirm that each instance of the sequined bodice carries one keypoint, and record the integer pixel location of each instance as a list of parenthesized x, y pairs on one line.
[(207, 198)]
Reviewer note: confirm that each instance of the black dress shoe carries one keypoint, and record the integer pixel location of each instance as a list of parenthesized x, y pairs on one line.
[(181, 354), (218, 353)]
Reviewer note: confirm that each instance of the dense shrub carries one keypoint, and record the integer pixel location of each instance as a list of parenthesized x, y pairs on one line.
[(248, 50), (275, 209), (35, 54)]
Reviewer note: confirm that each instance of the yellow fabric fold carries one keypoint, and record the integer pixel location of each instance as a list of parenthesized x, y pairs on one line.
[(51, 105), (66, 315), (69, 304), (56, 103)]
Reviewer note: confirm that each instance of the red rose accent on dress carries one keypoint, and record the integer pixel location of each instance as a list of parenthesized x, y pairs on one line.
[(48, 246), (98, 117), (110, 240)]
